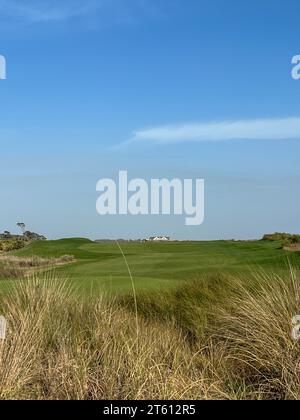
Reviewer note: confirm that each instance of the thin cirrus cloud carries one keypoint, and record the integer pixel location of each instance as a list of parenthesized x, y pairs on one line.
[(258, 129)]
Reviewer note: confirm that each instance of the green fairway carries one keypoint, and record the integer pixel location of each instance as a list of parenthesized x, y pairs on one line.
[(155, 265)]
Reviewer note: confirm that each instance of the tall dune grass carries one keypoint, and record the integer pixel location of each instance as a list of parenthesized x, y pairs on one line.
[(215, 338)]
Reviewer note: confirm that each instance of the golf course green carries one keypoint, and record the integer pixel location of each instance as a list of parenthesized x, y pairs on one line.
[(153, 265)]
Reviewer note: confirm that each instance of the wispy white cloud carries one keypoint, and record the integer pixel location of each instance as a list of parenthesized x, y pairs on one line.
[(258, 129)]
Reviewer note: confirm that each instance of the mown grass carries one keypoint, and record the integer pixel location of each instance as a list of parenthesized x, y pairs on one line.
[(215, 338), (157, 266)]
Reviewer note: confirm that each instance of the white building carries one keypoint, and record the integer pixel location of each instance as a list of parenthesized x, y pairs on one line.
[(159, 239)]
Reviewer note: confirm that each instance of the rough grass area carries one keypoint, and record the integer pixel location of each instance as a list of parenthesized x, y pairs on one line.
[(292, 248), (18, 267), (216, 338)]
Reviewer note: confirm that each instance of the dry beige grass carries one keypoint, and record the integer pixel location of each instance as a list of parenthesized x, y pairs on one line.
[(258, 337), (60, 346), (292, 248), (18, 267)]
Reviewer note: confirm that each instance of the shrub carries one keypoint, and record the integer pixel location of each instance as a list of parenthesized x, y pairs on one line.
[(12, 245), (286, 238)]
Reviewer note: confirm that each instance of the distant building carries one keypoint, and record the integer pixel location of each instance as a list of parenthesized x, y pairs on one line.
[(159, 239)]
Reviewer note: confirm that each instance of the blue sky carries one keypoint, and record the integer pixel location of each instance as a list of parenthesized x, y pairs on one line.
[(162, 88)]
